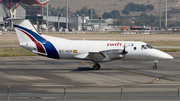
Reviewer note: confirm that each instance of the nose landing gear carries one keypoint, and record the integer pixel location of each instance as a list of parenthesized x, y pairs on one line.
[(155, 62), (154, 67)]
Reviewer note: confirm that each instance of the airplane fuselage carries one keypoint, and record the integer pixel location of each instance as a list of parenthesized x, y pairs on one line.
[(79, 49)]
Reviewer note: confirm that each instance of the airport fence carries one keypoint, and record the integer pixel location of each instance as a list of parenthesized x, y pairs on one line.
[(134, 93)]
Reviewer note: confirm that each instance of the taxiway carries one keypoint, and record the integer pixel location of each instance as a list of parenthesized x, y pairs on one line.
[(40, 78)]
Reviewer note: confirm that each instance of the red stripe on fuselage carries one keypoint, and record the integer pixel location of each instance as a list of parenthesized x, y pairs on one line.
[(38, 44)]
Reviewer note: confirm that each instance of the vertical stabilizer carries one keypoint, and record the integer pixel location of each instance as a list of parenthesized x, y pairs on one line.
[(25, 31), (30, 39)]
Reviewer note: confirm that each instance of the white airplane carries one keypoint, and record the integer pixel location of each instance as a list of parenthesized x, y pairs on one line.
[(95, 51)]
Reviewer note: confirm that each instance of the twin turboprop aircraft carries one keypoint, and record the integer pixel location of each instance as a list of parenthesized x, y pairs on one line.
[(95, 51)]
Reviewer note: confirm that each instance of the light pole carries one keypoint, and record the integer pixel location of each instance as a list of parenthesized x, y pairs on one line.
[(42, 18), (67, 11), (47, 17), (166, 14), (160, 14)]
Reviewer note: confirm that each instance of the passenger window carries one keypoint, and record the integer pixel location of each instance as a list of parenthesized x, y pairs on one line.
[(135, 48)]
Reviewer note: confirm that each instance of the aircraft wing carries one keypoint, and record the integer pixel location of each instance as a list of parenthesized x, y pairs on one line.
[(97, 56), (107, 55)]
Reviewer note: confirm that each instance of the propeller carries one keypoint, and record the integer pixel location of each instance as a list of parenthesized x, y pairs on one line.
[(124, 52)]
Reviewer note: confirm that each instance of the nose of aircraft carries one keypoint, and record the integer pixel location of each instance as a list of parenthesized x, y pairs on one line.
[(163, 55)]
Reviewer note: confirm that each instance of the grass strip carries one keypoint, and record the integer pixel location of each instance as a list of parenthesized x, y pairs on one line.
[(12, 52), (170, 50)]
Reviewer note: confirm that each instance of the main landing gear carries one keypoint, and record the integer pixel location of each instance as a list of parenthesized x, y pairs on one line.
[(96, 66), (155, 62)]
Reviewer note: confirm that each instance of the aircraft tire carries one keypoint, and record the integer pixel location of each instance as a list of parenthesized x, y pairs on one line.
[(154, 67), (97, 67)]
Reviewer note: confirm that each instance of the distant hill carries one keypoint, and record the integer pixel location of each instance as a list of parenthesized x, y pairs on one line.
[(102, 6)]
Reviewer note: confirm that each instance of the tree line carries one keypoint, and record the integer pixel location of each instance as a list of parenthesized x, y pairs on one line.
[(136, 7), (127, 20), (173, 10)]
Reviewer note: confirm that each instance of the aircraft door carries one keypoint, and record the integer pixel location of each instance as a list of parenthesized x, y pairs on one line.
[(144, 52)]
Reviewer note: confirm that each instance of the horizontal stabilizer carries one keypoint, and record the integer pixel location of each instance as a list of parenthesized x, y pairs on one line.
[(39, 53)]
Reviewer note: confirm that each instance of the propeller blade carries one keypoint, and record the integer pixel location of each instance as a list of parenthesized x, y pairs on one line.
[(124, 52)]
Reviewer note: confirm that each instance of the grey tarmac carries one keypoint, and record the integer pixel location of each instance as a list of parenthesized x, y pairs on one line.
[(36, 78)]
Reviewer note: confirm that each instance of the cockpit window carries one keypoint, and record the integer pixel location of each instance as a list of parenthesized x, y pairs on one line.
[(143, 47), (149, 46), (146, 47)]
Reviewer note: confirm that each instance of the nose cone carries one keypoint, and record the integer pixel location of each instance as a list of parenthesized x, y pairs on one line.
[(162, 55)]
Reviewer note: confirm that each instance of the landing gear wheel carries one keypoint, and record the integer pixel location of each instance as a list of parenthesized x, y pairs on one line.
[(155, 67), (96, 67)]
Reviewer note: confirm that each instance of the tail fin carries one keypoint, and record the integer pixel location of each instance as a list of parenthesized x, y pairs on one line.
[(30, 39), (26, 31)]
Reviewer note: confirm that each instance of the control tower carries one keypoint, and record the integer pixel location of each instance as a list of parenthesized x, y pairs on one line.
[(16, 8)]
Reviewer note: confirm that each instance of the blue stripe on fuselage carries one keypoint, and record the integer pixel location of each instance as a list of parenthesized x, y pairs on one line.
[(50, 49)]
